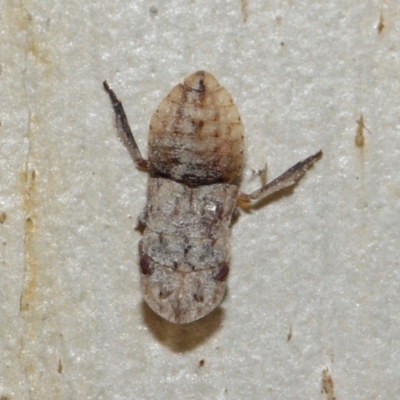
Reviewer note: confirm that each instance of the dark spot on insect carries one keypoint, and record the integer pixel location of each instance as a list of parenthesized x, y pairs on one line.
[(145, 262), (202, 87), (191, 198), (198, 297), (219, 210), (216, 118), (186, 249), (195, 126), (223, 272), (202, 362), (163, 294), (162, 238)]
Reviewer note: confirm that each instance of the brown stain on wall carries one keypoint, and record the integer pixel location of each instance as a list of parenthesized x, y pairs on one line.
[(290, 334), (327, 385), (28, 181), (35, 45), (60, 366), (21, 17), (29, 302), (39, 48), (39, 52), (244, 10), (359, 139)]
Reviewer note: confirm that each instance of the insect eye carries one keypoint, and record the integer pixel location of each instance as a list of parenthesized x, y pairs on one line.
[(222, 273), (145, 265)]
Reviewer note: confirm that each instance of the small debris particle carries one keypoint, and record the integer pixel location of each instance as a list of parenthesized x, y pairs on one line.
[(290, 334), (202, 362), (381, 25), (3, 217), (153, 11), (60, 366), (327, 385), (262, 173)]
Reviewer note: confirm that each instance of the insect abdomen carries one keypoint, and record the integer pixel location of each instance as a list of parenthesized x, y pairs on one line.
[(185, 248)]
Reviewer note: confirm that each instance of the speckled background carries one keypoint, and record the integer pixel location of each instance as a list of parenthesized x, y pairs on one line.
[(314, 282)]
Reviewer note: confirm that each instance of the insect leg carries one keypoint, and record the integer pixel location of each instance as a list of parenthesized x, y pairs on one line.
[(124, 130), (288, 178)]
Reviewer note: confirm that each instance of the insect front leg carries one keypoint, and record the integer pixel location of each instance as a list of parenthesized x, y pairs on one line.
[(124, 130), (288, 178)]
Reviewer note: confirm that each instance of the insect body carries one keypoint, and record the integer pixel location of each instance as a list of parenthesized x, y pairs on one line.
[(195, 152)]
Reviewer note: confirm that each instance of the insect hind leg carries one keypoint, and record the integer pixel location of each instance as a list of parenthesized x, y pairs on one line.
[(288, 178)]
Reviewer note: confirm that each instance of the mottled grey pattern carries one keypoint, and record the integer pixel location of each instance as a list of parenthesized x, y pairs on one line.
[(185, 245)]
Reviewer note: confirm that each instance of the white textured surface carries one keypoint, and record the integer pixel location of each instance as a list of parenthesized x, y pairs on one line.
[(320, 261)]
